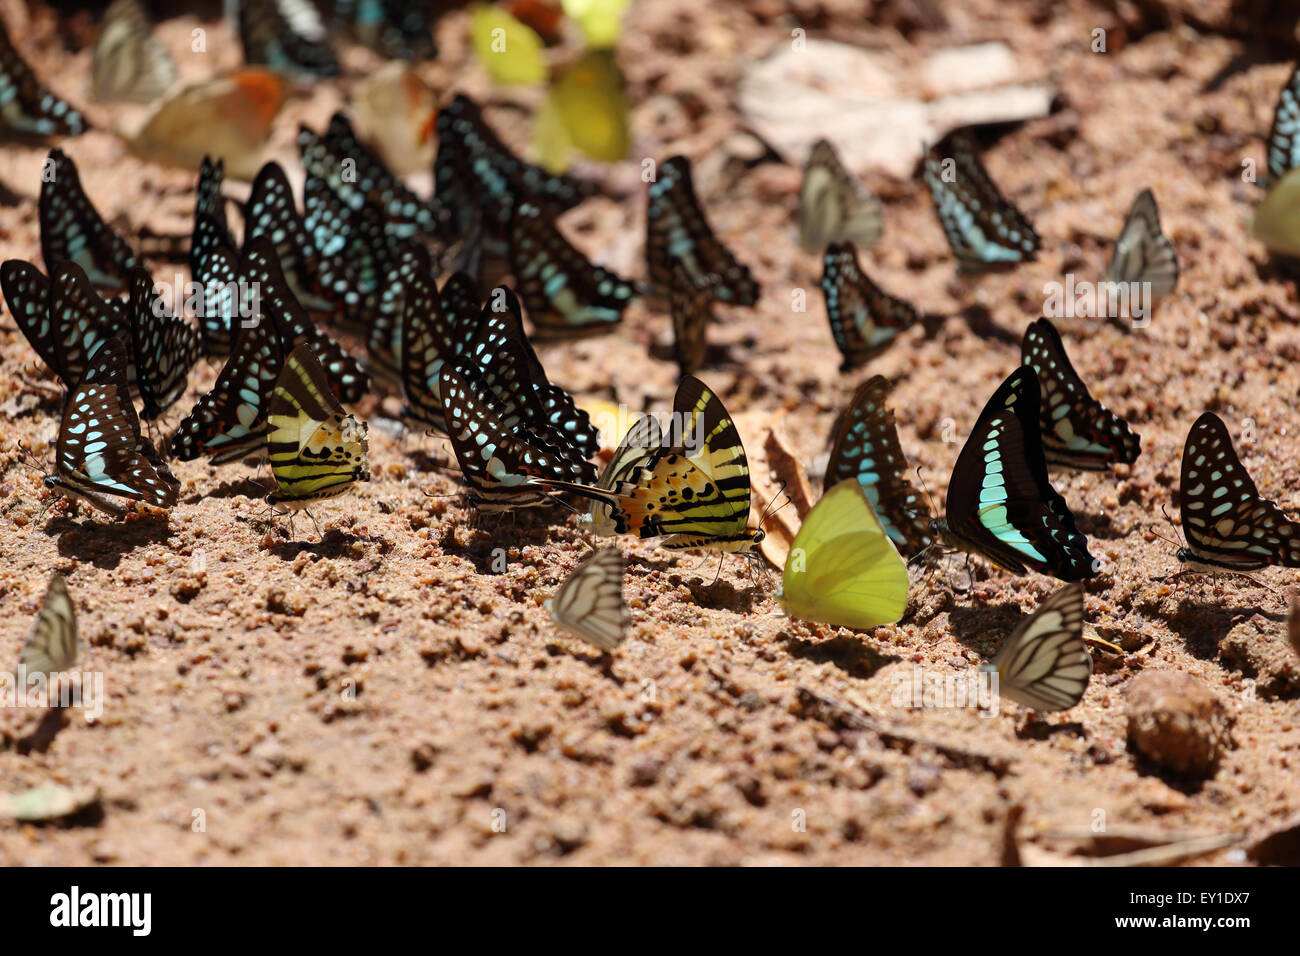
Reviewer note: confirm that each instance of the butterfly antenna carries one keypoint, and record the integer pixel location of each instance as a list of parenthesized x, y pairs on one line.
[(921, 478), (769, 512), (1172, 525), (27, 458)]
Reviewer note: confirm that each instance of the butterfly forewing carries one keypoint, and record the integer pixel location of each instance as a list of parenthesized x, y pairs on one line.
[(691, 308), (590, 602), (1077, 430), (1044, 665), (73, 231), (833, 206), (82, 321), (285, 35), (1143, 254), (983, 229), (866, 449), (165, 345), (26, 107), (677, 232), (1284, 136), (53, 644), (1227, 524), (864, 319), (129, 64)]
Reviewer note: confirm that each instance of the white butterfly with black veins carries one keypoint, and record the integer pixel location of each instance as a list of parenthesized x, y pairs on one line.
[(1044, 664), (129, 64), (833, 205), (1143, 253), (590, 604), (52, 646)]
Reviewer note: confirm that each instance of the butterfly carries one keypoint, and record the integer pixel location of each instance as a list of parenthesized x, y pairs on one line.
[(843, 568), (676, 231), (260, 270), (590, 603), (1275, 221), (72, 230), (270, 211), (229, 423), (691, 308), (211, 228), (694, 489), (1283, 142), (315, 448), (165, 346), (1229, 527), (1144, 254), (129, 63), (499, 462), (100, 456), (62, 317), (866, 449), (1044, 664), (1000, 503), (384, 337), (1077, 430), (475, 173), (565, 293), (983, 229), (357, 175), (286, 35), (833, 206), (431, 335), (864, 320), (26, 107), (53, 645), (510, 367), (397, 29), (644, 439), (229, 116), (356, 253)]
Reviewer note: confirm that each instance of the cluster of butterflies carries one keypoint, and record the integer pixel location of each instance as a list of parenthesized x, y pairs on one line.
[(364, 254)]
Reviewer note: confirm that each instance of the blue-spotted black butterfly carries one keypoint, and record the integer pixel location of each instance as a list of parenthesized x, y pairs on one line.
[(397, 29), (565, 293), (26, 107), (100, 456), (165, 345), (271, 211), (431, 336), (864, 319), (691, 309), (1077, 430), (1284, 135), (73, 231), (1000, 503), (984, 230), (285, 35), (1229, 527), (218, 275), (677, 232), (865, 448)]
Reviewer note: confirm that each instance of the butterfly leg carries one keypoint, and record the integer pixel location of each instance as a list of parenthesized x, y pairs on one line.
[(721, 561), (319, 533)]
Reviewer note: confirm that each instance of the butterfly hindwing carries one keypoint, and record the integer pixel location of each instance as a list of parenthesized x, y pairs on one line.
[(1000, 502), (1227, 524), (866, 449), (1044, 664)]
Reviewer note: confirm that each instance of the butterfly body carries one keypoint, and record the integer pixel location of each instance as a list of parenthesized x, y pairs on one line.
[(1229, 527), (1077, 430), (1001, 505)]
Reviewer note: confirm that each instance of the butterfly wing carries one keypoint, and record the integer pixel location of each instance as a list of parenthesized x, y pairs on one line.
[(27, 292), (82, 322), (678, 232), (28, 108), (833, 206), (842, 568), (691, 309), (590, 602), (866, 449), (430, 338), (1000, 502), (73, 231), (1077, 430), (286, 35), (644, 440), (566, 294), (129, 64), (53, 645), (983, 229), (1044, 665), (316, 450), (1143, 253), (1284, 135), (1228, 525), (864, 319), (165, 347)]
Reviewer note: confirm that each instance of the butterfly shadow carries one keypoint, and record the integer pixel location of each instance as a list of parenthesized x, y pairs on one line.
[(983, 629), (849, 653), (104, 544), (333, 544), (979, 319), (42, 737), (239, 488), (1202, 621)]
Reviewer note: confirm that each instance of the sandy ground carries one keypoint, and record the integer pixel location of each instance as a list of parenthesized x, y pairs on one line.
[(382, 696)]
